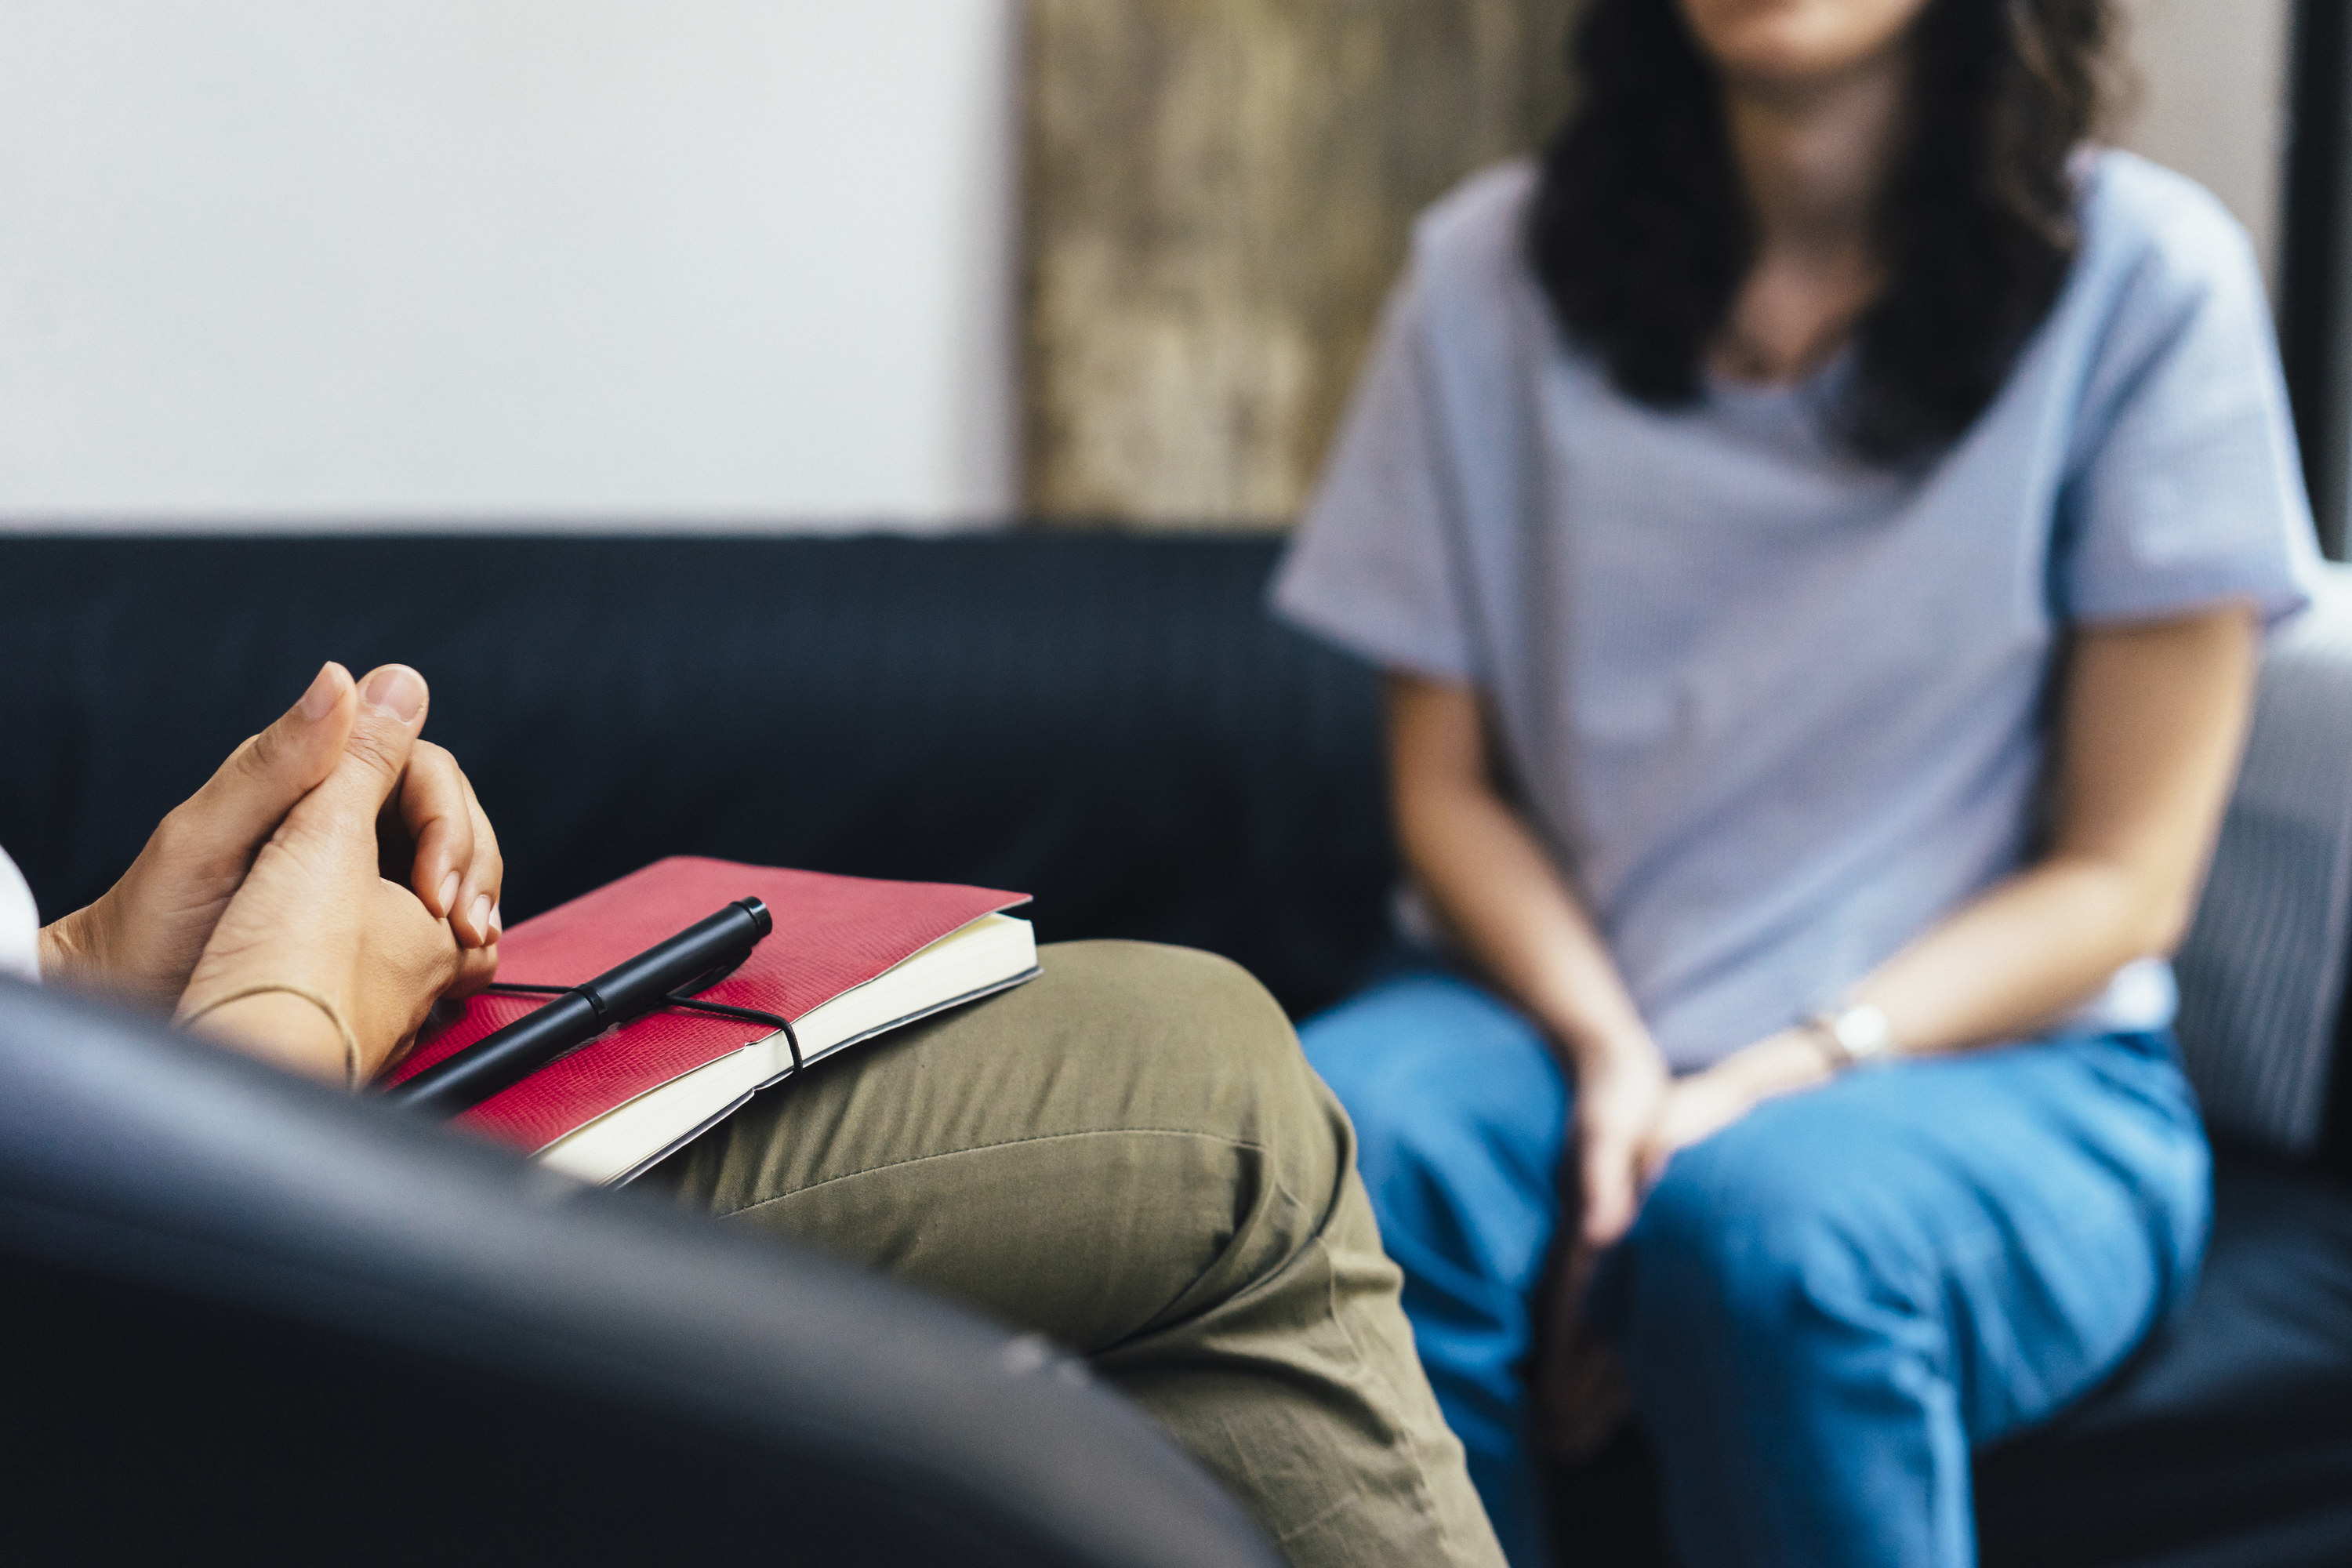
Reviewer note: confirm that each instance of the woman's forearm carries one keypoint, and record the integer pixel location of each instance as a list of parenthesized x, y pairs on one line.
[(1491, 882), (2152, 721), (1477, 859), (1496, 890), (2031, 950)]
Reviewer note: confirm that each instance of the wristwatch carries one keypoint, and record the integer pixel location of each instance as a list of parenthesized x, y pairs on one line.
[(1851, 1036)]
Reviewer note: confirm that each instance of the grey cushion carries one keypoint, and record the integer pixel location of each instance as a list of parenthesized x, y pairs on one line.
[(2261, 974)]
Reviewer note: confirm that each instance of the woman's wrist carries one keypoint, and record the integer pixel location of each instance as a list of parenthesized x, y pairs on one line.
[(69, 949), (1785, 1063), (1594, 1051), (286, 1029)]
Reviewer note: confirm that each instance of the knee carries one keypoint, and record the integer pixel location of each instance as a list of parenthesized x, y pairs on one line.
[(1738, 1245), (1199, 1042), (1192, 1045), (1145, 987)]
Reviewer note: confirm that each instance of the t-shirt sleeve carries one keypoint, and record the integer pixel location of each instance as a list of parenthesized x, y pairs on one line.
[(2186, 490), (1372, 566)]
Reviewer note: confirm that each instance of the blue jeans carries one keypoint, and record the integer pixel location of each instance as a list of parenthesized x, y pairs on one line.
[(1822, 1308)]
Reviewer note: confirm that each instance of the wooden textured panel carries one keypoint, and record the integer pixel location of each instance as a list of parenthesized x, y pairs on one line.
[(1218, 197)]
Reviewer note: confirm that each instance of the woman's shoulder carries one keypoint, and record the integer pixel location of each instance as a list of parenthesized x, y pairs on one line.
[(2158, 233), (1470, 244)]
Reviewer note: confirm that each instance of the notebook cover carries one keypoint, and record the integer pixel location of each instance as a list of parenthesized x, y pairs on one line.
[(831, 933)]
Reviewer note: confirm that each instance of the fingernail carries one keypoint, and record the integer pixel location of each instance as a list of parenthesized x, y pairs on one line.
[(497, 921), (482, 912), (448, 899), (395, 689), (322, 696)]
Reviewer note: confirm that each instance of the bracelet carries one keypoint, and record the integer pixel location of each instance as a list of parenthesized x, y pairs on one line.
[(352, 1072), (1851, 1036)]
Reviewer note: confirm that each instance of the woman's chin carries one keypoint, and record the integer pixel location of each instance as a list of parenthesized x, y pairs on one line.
[(1795, 46)]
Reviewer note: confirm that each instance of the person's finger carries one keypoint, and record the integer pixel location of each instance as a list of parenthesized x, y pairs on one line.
[(477, 918), (391, 705), (476, 967), (250, 794), (433, 808), (456, 870)]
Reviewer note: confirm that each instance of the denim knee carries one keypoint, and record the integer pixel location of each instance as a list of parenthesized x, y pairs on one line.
[(1739, 1248)]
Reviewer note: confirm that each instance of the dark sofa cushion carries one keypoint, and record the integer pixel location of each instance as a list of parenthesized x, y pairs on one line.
[(1114, 725), (2229, 1440)]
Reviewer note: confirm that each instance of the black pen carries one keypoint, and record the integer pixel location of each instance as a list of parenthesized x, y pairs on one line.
[(629, 990)]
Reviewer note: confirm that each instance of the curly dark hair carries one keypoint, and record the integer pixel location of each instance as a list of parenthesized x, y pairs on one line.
[(1640, 235)]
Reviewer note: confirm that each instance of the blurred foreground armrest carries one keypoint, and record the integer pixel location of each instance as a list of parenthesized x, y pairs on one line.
[(244, 1319)]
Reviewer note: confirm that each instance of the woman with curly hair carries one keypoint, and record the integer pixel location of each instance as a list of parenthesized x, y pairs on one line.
[(1818, 523)]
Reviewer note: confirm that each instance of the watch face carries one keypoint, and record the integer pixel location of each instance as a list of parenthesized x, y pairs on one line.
[(1861, 1030)]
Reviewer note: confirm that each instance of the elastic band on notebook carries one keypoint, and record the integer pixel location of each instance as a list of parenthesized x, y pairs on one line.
[(691, 1004), (749, 1016)]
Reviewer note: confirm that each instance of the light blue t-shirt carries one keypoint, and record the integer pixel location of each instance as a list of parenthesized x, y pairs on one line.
[(1775, 712)]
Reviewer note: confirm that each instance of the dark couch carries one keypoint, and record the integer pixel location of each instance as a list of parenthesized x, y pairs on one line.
[(1111, 723)]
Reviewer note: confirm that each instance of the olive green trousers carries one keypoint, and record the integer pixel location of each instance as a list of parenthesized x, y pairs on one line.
[(1129, 1155)]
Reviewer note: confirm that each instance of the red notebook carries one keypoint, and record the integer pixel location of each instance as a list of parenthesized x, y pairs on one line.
[(848, 959)]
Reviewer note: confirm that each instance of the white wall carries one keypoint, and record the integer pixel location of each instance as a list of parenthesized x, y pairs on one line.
[(2213, 100), (706, 261)]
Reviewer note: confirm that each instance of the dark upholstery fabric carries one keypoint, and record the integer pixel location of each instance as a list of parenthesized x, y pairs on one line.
[(2235, 1421), (1111, 723)]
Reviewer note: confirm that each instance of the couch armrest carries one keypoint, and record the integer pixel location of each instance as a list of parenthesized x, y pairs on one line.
[(2261, 974)]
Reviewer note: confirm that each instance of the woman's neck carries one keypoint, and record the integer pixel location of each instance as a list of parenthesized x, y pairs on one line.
[(1813, 158), (1813, 155)]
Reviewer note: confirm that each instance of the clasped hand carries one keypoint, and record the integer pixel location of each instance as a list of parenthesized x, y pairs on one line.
[(335, 854), (1631, 1119)]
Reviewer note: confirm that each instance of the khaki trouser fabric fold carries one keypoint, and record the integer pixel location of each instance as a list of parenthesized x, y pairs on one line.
[(1129, 1155)]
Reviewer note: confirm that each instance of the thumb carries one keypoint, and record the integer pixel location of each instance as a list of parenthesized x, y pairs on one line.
[(392, 701), (243, 802)]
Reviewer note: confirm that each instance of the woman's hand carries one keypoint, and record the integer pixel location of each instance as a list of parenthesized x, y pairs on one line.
[(1579, 1390), (143, 936), (1696, 1108), (313, 912), (1620, 1096), (1631, 1120)]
